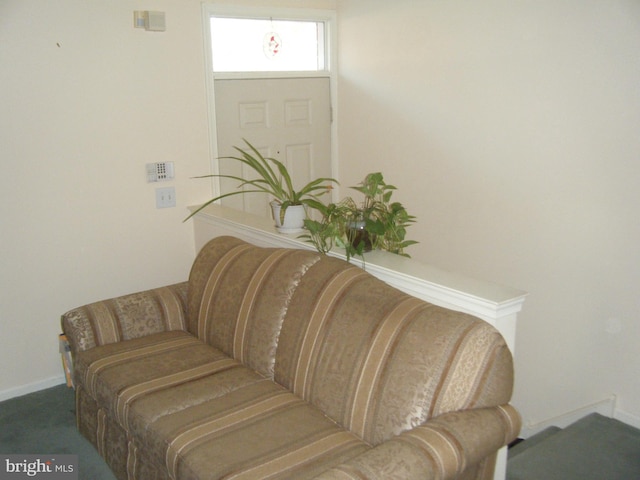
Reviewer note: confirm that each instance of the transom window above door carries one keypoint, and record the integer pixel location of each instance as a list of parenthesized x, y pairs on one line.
[(268, 45)]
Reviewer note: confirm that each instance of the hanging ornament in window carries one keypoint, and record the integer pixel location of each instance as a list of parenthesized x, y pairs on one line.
[(271, 45)]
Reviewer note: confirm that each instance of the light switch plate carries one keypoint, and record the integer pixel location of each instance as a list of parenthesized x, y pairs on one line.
[(165, 197)]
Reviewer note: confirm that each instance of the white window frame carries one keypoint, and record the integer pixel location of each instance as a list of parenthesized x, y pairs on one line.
[(261, 26), (328, 17)]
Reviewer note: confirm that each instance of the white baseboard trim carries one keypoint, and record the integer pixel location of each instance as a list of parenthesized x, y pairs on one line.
[(31, 387), (606, 407), (627, 418)]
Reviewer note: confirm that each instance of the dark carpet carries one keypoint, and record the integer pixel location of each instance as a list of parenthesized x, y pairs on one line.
[(44, 423), (593, 448)]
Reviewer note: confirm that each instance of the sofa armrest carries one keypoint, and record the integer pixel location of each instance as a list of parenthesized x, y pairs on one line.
[(126, 317), (441, 448)]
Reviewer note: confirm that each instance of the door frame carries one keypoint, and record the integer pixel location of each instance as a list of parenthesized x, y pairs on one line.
[(328, 17)]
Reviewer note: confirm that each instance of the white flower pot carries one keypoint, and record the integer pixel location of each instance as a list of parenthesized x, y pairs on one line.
[(294, 217)]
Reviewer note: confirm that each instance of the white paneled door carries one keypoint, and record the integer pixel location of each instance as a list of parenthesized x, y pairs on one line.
[(285, 118)]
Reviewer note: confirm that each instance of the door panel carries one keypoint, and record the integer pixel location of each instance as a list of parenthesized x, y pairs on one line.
[(288, 119)]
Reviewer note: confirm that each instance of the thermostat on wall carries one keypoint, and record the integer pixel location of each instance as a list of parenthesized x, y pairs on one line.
[(159, 172)]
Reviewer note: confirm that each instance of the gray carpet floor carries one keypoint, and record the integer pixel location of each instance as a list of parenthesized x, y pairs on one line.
[(44, 423), (593, 448)]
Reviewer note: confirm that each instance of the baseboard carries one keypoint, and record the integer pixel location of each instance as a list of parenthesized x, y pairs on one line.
[(606, 407), (31, 387), (627, 418)]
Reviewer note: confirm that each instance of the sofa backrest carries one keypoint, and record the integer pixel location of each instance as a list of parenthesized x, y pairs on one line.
[(372, 358), (379, 361), (238, 296)]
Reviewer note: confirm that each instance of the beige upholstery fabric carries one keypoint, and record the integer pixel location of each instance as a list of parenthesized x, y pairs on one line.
[(443, 448), (275, 363), (127, 317), (197, 404), (238, 301), (379, 361)]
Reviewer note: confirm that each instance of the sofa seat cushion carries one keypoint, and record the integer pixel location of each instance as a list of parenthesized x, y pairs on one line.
[(259, 430), (119, 374), (188, 407)]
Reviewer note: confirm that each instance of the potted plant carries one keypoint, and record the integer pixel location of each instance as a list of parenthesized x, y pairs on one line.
[(375, 223), (273, 178), (331, 230)]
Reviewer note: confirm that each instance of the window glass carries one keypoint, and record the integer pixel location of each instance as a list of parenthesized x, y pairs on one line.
[(256, 45)]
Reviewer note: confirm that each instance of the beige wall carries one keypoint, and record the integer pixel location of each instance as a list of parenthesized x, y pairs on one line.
[(511, 129), (86, 101)]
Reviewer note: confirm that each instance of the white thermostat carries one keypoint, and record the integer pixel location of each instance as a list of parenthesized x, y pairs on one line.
[(159, 172)]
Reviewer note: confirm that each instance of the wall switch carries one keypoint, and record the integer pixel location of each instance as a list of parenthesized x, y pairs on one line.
[(165, 197)]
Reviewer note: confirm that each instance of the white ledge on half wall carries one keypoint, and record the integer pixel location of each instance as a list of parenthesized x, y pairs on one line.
[(495, 304)]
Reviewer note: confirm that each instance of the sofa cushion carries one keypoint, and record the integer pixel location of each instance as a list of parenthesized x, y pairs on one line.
[(119, 374), (380, 362), (259, 430), (194, 410), (239, 295)]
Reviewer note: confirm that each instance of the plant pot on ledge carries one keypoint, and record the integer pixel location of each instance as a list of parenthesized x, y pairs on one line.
[(293, 219), (376, 223), (272, 177), (357, 233)]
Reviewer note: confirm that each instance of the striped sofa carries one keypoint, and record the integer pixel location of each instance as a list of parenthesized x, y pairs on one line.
[(282, 363)]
